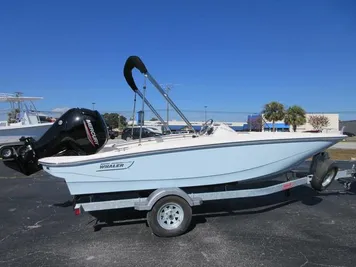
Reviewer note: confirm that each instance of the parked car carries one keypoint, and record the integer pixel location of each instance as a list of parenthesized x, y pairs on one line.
[(349, 134), (146, 132), (312, 131), (113, 134)]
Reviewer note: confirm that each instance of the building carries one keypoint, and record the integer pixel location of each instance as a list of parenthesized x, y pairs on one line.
[(253, 123), (281, 126), (332, 127), (350, 126), (259, 123), (177, 126)]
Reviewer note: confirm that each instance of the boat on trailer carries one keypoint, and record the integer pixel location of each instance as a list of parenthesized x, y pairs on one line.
[(165, 171)]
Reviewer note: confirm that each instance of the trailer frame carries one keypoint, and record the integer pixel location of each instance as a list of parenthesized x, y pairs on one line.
[(188, 200)]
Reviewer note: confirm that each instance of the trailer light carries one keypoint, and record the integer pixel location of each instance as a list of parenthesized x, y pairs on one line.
[(77, 211), (287, 186)]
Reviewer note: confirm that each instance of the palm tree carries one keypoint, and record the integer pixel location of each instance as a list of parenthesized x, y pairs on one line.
[(295, 116), (273, 111)]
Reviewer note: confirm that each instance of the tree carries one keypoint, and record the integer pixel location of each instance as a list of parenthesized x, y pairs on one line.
[(274, 111), (295, 116), (112, 119), (255, 123), (318, 121), (154, 119)]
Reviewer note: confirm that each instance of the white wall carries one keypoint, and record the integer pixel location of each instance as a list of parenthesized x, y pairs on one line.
[(333, 123), (332, 127)]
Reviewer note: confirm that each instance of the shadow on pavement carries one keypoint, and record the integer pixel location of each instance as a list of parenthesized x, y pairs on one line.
[(217, 208)]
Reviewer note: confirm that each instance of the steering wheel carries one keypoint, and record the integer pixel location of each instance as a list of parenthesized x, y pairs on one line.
[(206, 127)]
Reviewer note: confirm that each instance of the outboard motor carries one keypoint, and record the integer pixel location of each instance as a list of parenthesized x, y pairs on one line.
[(79, 131)]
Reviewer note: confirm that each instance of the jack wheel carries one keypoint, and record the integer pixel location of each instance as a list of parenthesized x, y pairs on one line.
[(324, 176)]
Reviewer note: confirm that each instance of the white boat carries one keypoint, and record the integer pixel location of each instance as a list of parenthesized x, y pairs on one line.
[(215, 155), (222, 157), (23, 118), (168, 171)]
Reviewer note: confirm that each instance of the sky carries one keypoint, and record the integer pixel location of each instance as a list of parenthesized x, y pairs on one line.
[(231, 56)]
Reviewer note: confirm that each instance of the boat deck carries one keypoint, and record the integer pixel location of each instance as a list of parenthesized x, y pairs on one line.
[(221, 137)]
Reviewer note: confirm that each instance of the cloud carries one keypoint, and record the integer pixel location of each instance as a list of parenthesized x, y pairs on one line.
[(62, 110)]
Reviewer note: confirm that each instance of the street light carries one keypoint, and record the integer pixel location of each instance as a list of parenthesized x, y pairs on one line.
[(205, 112), (167, 92), (93, 105), (168, 88)]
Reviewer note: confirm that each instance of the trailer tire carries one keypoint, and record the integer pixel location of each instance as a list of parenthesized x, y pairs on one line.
[(324, 175), (170, 216)]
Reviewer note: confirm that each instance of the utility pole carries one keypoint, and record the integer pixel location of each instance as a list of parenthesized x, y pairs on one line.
[(167, 92), (250, 121), (205, 112), (168, 87)]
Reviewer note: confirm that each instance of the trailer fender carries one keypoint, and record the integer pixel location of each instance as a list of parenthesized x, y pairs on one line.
[(156, 195)]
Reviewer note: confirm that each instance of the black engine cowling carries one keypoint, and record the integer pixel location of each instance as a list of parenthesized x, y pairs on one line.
[(79, 131)]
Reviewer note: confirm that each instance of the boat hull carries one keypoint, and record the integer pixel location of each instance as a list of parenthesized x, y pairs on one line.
[(187, 168), (35, 131)]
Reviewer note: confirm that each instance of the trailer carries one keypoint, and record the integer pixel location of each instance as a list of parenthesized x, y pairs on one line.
[(169, 210)]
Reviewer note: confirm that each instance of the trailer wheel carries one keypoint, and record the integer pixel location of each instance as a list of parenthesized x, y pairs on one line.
[(170, 216), (324, 175)]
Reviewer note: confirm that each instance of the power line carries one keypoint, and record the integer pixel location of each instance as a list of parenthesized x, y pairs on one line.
[(210, 111), (245, 112)]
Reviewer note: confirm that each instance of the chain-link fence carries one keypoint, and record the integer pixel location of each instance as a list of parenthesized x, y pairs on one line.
[(337, 119), (220, 115), (240, 119), (192, 115)]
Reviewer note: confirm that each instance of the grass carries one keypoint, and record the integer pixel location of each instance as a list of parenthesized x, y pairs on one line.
[(342, 154), (350, 139)]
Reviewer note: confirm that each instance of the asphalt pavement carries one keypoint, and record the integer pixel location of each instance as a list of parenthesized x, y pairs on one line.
[(38, 228)]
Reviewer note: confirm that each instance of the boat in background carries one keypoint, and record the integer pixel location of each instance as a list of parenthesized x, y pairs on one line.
[(23, 119)]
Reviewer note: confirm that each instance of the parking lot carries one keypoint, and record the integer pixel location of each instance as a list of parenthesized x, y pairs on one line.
[(38, 228)]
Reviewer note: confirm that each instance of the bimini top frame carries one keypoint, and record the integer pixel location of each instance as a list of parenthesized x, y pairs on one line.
[(136, 62)]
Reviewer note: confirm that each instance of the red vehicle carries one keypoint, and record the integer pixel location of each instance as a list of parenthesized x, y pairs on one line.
[(312, 131)]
